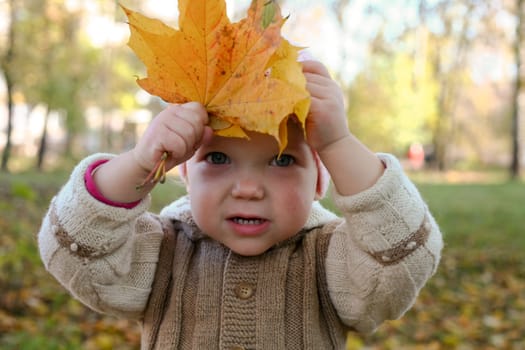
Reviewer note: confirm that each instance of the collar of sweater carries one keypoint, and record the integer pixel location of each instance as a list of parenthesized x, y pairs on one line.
[(180, 210)]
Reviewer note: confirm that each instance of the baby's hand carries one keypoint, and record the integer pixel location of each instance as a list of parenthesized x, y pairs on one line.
[(326, 122), (327, 132), (178, 130)]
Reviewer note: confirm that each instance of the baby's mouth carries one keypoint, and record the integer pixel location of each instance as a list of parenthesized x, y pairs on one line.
[(246, 225), (247, 221)]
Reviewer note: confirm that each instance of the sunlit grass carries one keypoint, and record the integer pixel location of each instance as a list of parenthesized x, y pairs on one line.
[(479, 216)]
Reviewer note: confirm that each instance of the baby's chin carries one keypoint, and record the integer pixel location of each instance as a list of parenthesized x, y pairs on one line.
[(248, 251)]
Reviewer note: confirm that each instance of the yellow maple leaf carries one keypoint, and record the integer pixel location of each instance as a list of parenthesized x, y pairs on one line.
[(245, 74)]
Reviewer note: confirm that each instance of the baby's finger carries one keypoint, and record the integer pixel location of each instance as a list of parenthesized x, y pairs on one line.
[(207, 135), (315, 67), (324, 89), (197, 110), (185, 131)]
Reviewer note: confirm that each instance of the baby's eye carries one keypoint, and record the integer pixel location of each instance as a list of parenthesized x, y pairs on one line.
[(217, 158), (283, 160)]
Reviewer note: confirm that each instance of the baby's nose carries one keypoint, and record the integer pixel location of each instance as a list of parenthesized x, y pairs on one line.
[(248, 189)]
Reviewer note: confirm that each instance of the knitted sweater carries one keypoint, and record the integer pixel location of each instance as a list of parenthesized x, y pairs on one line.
[(191, 292)]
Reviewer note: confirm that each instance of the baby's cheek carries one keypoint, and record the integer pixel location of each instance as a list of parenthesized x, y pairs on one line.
[(298, 204)]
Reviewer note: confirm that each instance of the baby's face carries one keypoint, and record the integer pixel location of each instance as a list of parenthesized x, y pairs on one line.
[(246, 198)]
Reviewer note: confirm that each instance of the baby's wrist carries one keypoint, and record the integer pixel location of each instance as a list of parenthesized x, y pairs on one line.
[(340, 141), (94, 191), (142, 170)]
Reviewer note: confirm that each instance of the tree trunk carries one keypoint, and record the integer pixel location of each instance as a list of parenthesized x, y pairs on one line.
[(42, 148), (6, 65), (515, 132), (6, 154)]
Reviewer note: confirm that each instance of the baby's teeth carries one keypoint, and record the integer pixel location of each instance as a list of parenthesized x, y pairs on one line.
[(248, 221)]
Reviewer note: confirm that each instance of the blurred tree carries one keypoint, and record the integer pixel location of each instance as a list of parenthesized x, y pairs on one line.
[(58, 67), (392, 98), (468, 28), (441, 43), (114, 78), (46, 64), (517, 90), (391, 104), (339, 8), (446, 50), (7, 59)]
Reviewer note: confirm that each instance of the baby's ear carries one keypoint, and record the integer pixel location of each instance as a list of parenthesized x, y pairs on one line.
[(323, 177), (183, 174)]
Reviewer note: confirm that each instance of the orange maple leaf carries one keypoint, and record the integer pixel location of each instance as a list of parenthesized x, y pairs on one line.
[(245, 74)]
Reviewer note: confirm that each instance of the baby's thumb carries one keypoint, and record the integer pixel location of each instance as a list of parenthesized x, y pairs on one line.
[(207, 135)]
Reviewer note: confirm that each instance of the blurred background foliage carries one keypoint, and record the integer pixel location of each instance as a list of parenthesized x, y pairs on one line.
[(441, 76)]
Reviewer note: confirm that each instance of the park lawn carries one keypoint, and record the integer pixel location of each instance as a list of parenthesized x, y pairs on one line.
[(482, 217), (476, 300)]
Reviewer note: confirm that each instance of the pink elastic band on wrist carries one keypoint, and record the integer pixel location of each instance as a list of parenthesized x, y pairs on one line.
[(93, 189)]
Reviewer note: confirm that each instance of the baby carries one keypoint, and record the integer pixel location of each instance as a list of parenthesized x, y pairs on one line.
[(249, 259)]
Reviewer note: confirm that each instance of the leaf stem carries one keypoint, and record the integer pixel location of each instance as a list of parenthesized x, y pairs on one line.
[(158, 174)]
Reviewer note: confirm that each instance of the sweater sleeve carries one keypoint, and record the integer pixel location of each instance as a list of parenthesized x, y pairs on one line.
[(388, 246), (105, 256)]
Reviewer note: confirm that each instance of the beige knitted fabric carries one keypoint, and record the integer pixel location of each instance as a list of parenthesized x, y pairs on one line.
[(193, 293)]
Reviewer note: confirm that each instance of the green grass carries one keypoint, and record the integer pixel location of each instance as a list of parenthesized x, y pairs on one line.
[(479, 216), (475, 301)]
